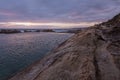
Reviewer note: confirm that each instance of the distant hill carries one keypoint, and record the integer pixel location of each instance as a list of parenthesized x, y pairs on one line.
[(10, 31)]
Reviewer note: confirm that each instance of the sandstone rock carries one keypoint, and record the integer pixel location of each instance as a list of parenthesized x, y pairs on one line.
[(93, 54)]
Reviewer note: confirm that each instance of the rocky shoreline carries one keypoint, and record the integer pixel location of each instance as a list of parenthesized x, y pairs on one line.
[(92, 54), (11, 31)]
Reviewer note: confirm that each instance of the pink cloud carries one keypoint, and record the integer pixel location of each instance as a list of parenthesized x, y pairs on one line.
[(7, 13)]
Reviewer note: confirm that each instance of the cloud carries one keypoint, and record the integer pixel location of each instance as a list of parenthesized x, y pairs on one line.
[(7, 13), (58, 10)]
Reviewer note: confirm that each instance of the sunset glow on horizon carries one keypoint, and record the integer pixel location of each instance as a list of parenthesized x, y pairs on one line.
[(56, 24), (56, 13)]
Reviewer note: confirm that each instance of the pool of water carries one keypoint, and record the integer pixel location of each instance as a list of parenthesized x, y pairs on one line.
[(20, 50)]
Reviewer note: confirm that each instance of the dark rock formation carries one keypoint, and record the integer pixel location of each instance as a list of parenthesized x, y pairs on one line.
[(9, 31), (93, 54)]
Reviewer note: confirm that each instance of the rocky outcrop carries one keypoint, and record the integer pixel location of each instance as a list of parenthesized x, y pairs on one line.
[(92, 54)]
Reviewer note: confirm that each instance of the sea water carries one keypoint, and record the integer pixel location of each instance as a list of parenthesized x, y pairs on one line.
[(20, 50)]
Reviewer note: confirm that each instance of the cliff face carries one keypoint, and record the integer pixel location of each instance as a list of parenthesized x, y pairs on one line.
[(93, 54)]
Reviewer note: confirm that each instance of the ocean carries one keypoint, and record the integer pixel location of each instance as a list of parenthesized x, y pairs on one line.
[(19, 50)]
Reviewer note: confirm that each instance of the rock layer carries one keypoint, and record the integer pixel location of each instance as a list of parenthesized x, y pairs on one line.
[(93, 54)]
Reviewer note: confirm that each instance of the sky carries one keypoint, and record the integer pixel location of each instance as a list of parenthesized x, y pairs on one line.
[(56, 13)]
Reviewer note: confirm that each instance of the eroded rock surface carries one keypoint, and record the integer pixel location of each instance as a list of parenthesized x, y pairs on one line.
[(93, 54)]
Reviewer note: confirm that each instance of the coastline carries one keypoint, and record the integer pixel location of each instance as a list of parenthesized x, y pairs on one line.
[(92, 54)]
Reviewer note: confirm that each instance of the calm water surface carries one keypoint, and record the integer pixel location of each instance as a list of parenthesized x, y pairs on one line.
[(19, 50)]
